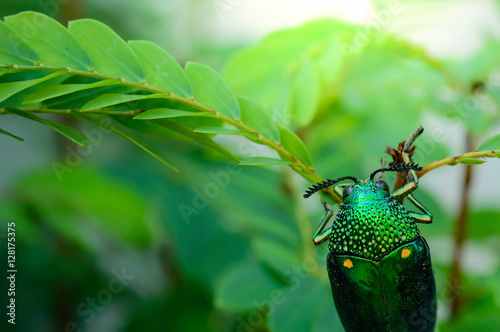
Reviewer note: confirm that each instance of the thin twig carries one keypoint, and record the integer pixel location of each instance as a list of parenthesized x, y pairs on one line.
[(412, 138), (401, 177), (460, 232), (454, 160)]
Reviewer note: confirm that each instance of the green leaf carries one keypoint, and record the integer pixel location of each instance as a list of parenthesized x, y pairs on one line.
[(295, 146), (161, 113), (11, 135), (275, 254), (263, 161), (13, 49), (210, 89), (152, 151), (492, 143), (53, 91), (328, 320), (300, 308), (199, 137), (481, 313), (162, 70), (256, 118), (243, 286), (265, 72), (64, 130), (11, 88), (470, 161), (54, 44), (113, 99), (78, 207), (305, 94), (7, 70), (169, 129), (483, 223), (111, 55), (218, 131)]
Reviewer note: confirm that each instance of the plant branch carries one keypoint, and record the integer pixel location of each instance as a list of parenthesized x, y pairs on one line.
[(304, 170), (459, 240), (456, 159)]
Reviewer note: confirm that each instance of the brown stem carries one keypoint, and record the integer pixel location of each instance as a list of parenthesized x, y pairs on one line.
[(460, 232)]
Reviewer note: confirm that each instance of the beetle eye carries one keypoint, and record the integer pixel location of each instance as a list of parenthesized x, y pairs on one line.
[(347, 191), (382, 185)]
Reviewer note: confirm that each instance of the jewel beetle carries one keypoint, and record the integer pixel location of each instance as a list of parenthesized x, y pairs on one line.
[(379, 266)]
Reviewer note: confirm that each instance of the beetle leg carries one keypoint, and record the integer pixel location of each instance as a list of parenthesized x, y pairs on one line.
[(406, 191), (408, 188), (425, 217), (321, 234)]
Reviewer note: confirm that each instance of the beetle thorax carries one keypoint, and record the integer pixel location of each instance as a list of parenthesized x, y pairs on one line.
[(371, 228)]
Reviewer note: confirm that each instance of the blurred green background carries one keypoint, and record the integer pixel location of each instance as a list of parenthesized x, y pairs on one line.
[(123, 243)]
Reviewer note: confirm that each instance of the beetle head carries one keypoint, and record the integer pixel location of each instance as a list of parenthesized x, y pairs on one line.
[(364, 191)]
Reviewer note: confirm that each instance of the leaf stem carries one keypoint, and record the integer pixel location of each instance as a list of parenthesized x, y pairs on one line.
[(456, 159), (305, 171)]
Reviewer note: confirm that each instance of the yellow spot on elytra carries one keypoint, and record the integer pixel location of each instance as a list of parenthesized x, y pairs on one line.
[(405, 253), (348, 263)]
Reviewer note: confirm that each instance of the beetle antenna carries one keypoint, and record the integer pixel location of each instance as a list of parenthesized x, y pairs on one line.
[(324, 184), (397, 168), (383, 162)]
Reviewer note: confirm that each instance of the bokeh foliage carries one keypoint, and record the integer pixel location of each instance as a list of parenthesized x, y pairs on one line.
[(217, 246)]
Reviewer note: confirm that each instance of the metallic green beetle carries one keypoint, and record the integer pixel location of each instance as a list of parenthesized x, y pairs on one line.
[(379, 266)]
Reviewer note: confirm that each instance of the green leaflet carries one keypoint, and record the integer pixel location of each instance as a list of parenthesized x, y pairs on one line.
[(11, 135), (210, 89), (199, 137), (169, 129), (54, 44), (111, 55), (113, 99), (263, 161), (7, 70), (295, 146), (11, 88), (258, 119), (162, 70), (13, 49), (53, 91), (149, 149), (162, 113), (218, 131), (470, 161), (64, 130), (492, 143)]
